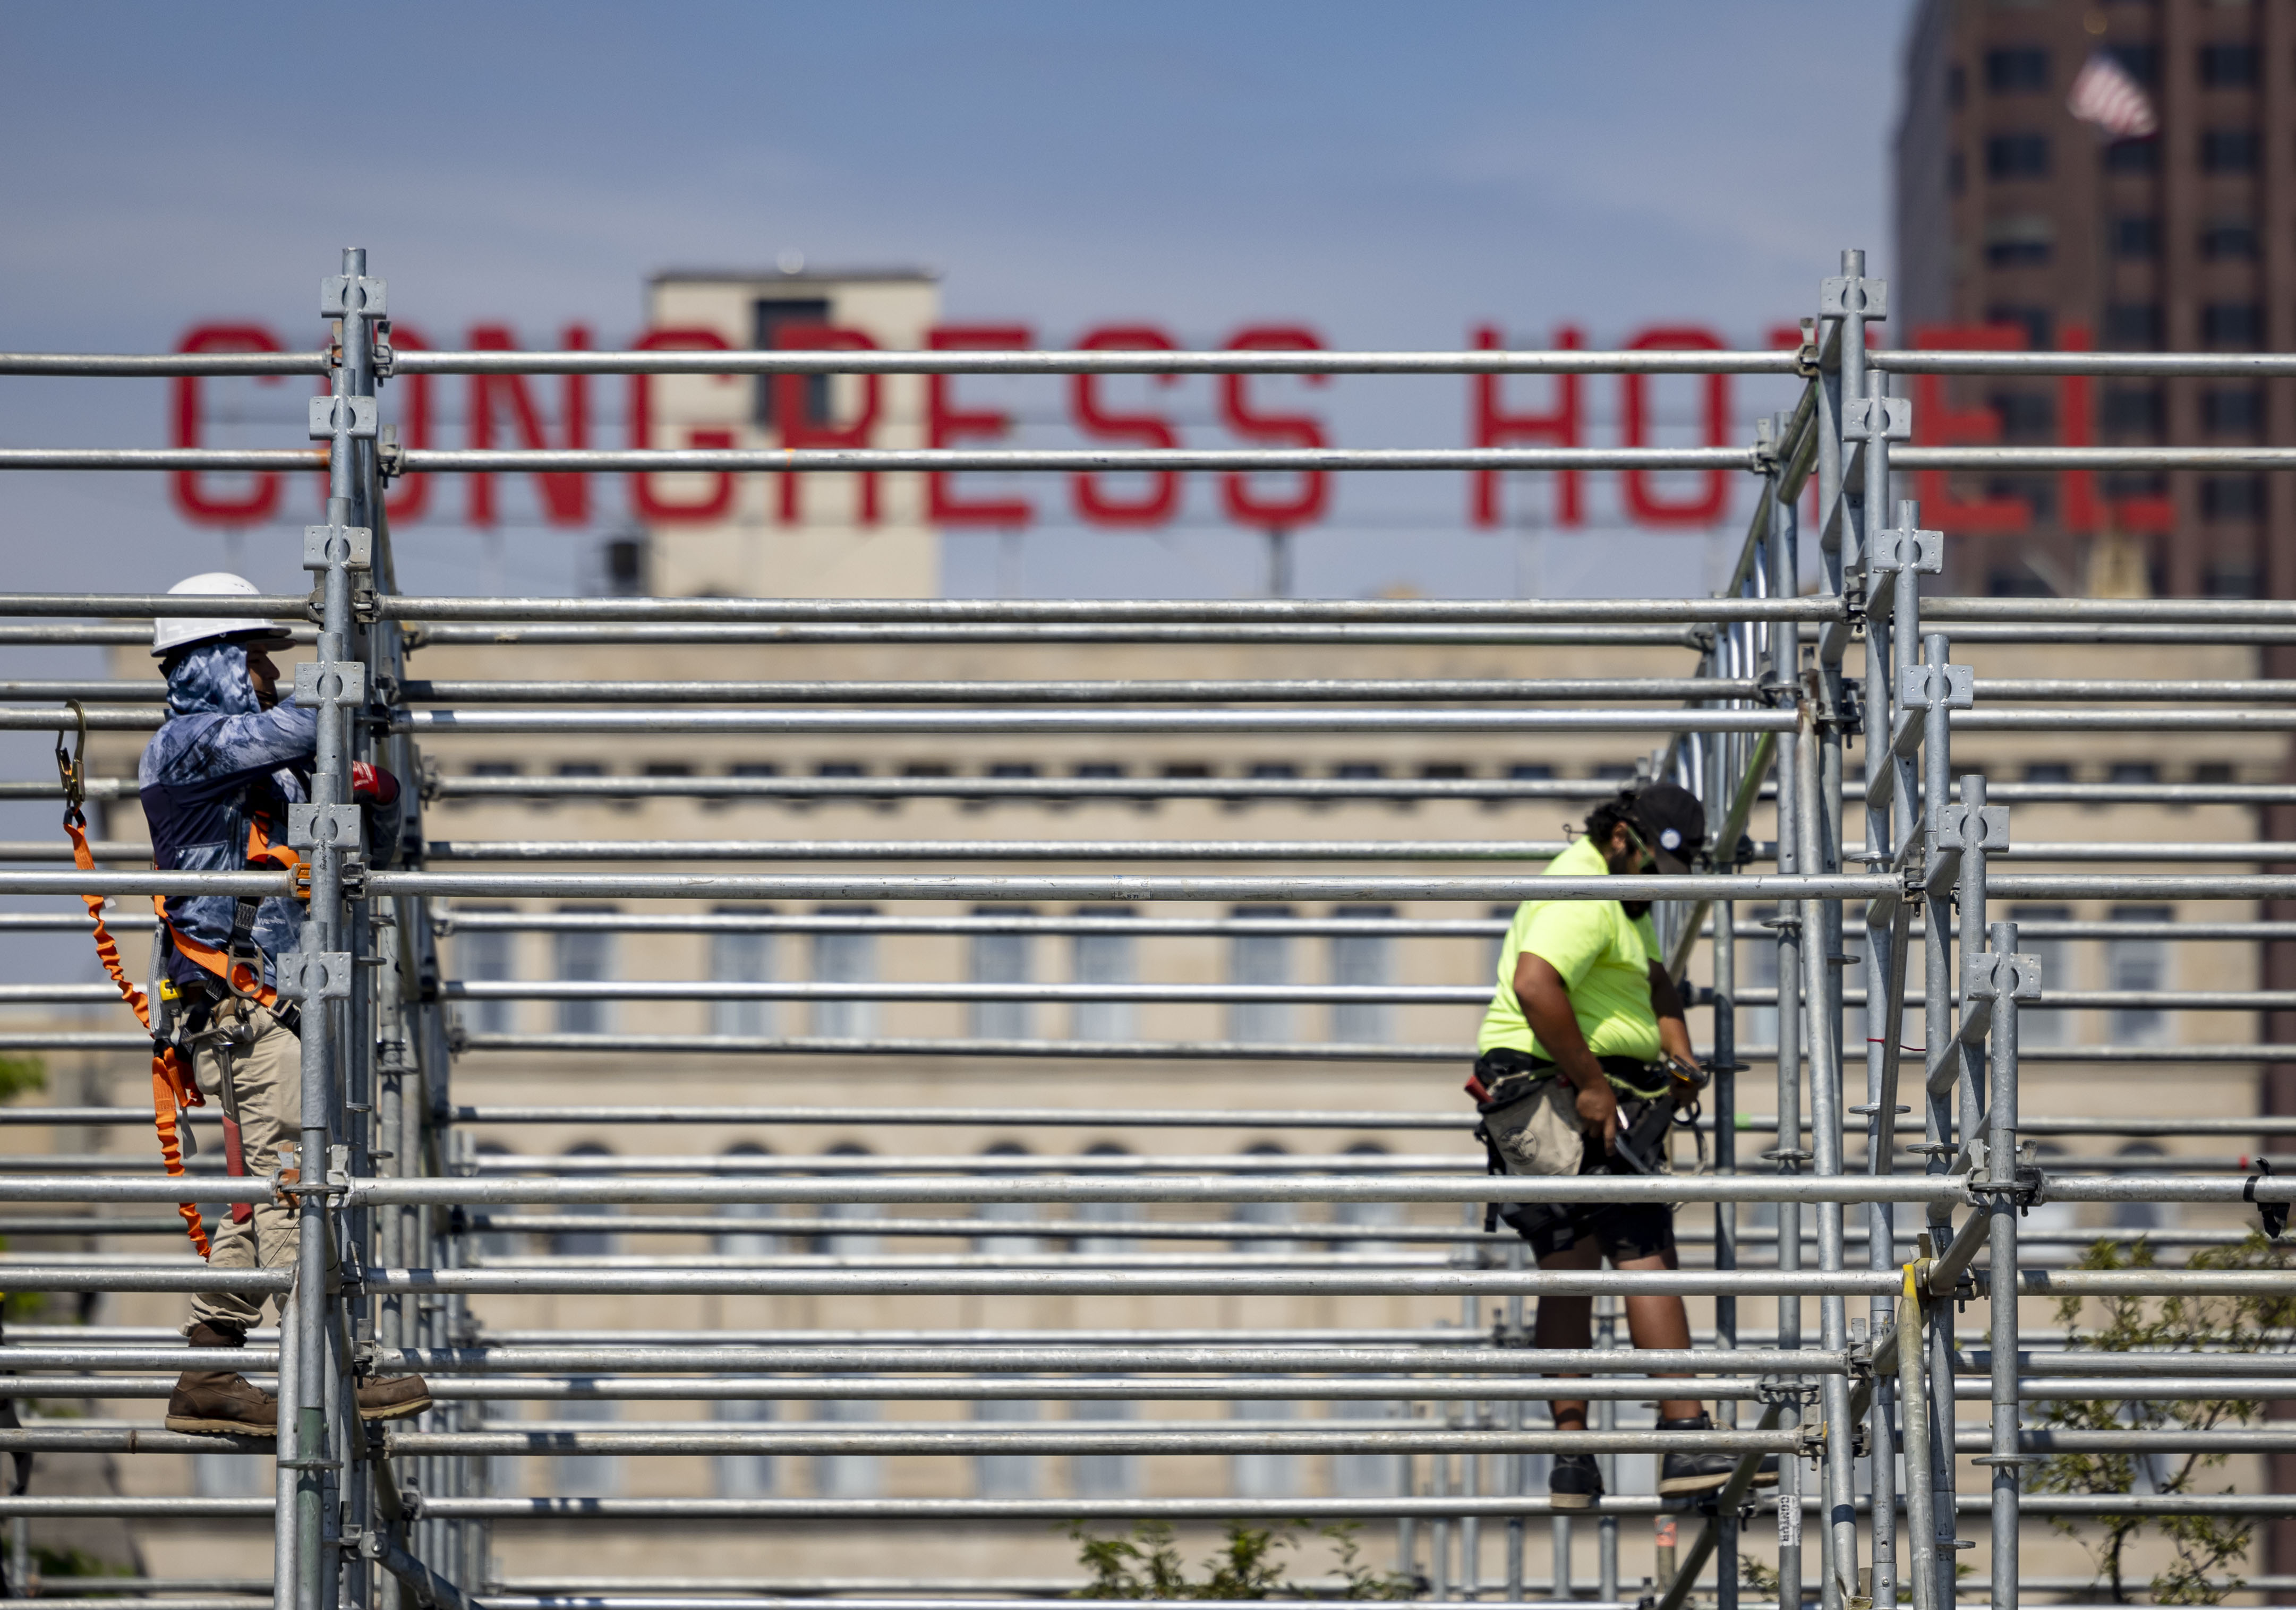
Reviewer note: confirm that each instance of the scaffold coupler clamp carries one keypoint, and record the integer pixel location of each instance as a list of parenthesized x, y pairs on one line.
[(2273, 1214), (1957, 830)]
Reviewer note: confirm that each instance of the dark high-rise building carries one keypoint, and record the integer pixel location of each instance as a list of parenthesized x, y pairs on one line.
[(2022, 225)]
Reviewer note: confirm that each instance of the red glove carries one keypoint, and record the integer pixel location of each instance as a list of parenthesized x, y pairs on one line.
[(371, 785)]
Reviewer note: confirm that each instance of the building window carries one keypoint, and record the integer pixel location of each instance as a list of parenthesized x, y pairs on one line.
[(2132, 326), (2236, 325), (2045, 1027), (1015, 1245), (745, 1475), (1758, 970), (2132, 157), (1263, 961), (747, 1241), (2142, 1156), (2017, 156), (1363, 961), (2141, 62), (2134, 772), (1105, 1213), (2048, 771), (2232, 497), (738, 957), (1005, 1476), (2231, 581), (1001, 959), (845, 1243), (2038, 323), (847, 1475), (1099, 1475), (586, 1475), (2137, 964), (2233, 409), (1266, 1213), (1366, 1476), (2228, 66), (486, 956), (2137, 235), (2012, 252), (1957, 85), (2136, 409), (1264, 1475), (2026, 416), (1109, 959), (2229, 151), (770, 315), (2228, 239), (1957, 173), (584, 956), (1365, 1215), (584, 1243), (845, 957), (2018, 69)]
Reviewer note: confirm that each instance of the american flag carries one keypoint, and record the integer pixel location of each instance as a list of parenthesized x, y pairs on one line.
[(2105, 94)]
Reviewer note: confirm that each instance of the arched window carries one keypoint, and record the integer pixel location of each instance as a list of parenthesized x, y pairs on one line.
[(1364, 1214), (745, 1475), (741, 956), (1265, 1212), (1105, 1213), (1007, 1213), (747, 1242), (2138, 1217), (584, 955), (584, 1243), (847, 1244), (486, 956)]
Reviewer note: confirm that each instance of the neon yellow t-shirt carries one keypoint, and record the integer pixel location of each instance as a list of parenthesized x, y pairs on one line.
[(1603, 955)]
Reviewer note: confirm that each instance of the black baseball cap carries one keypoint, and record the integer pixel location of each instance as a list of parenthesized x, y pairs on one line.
[(1670, 823)]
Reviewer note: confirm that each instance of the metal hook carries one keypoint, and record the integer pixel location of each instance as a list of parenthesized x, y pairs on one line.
[(72, 770)]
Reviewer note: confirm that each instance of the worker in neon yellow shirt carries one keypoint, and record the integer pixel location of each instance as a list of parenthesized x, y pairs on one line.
[(1584, 1036)]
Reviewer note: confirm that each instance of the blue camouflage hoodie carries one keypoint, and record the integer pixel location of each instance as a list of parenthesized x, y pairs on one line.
[(219, 761)]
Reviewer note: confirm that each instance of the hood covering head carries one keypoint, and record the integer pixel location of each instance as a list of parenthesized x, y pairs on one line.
[(211, 678)]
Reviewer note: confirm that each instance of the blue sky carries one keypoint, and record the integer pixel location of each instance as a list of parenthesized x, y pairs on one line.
[(1390, 174)]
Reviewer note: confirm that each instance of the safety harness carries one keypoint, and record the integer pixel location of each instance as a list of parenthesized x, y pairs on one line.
[(172, 1090)]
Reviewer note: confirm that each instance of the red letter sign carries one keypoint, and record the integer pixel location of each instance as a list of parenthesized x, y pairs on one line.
[(1147, 429), (1284, 429), (2084, 510), (1495, 429), (1935, 424), (1643, 503), (565, 494), (945, 424), (798, 429), (262, 492), (714, 503)]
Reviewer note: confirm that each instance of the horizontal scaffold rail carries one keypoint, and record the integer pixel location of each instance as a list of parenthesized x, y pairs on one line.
[(1782, 362)]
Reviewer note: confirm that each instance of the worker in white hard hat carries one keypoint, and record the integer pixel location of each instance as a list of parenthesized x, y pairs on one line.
[(216, 782)]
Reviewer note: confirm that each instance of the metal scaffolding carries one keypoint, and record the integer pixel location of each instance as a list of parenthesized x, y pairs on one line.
[(1834, 710)]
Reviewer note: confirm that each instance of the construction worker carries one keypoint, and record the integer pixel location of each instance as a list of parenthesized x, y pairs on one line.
[(1582, 1059), (216, 782)]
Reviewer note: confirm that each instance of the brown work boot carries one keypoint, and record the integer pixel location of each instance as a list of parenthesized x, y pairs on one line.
[(392, 1397), (221, 1400)]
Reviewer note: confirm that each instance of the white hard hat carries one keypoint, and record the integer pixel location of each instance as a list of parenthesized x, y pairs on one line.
[(170, 633)]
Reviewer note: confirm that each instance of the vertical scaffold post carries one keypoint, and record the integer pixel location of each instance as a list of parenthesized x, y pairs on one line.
[(1937, 1108), (318, 973), (1999, 978), (1785, 641)]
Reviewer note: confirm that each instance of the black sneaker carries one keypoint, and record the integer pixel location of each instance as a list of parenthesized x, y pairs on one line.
[(1688, 1475), (1575, 1483)]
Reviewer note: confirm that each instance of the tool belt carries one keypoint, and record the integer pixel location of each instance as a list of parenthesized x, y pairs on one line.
[(1530, 1123)]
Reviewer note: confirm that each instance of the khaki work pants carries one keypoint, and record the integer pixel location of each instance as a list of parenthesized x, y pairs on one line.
[(266, 1074)]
